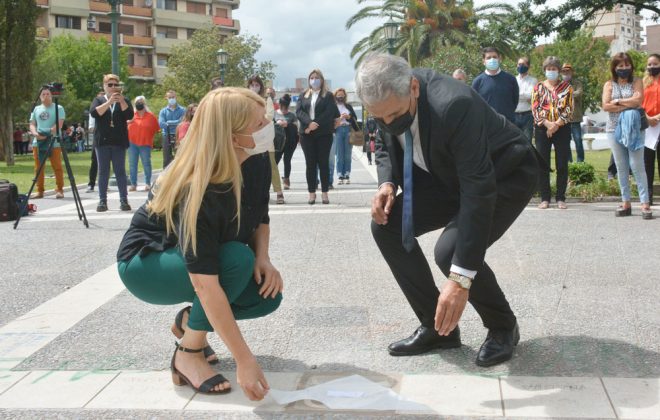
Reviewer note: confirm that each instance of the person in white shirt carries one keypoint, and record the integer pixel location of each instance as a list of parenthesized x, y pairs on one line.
[(523, 117)]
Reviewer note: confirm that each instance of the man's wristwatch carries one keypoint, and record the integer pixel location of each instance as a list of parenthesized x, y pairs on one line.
[(463, 281)]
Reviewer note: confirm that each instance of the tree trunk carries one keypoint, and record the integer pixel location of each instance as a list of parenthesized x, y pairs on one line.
[(6, 138)]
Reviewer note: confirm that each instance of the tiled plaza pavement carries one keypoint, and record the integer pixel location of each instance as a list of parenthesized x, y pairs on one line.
[(584, 284)]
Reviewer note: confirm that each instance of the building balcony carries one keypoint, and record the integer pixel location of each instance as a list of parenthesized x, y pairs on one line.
[(227, 23), (233, 3), (164, 45), (179, 19), (42, 3), (146, 12), (142, 41), (100, 35), (42, 32), (141, 72), (76, 33), (99, 6)]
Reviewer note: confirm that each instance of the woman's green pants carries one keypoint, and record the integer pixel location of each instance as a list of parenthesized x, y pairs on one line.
[(161, 278)]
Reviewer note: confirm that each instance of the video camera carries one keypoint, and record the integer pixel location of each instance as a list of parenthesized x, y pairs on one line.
[(56, 88)]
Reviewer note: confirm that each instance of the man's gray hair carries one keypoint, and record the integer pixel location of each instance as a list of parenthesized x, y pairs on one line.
[(381, 75)]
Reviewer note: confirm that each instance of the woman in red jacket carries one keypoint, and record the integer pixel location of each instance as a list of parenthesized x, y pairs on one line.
[(141, 131)]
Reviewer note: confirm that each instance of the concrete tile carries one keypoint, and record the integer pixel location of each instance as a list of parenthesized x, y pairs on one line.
[(237, 401), (22, 345), (634, 398), (55, 389), (451, 395), (143, 390), (526, 396), (9, 378)]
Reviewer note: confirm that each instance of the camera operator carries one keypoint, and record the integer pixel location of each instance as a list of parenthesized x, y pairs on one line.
[(42, 127), (168, 119), (111, 112)]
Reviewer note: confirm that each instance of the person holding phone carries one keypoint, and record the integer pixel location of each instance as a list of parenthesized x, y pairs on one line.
[(111, 112)]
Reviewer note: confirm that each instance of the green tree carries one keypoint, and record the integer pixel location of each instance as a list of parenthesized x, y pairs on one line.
[(639, 62), (17, 46), (590, 60), (570, 15), (193, 64)]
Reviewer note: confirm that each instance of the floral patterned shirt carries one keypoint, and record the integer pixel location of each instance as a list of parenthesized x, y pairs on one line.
[(552, 105)]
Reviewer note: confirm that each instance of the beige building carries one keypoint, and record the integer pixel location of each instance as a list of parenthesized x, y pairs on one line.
[(652, 39), (621, 27), (149, 28)]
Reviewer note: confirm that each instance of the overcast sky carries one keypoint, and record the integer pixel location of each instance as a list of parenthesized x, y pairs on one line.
[(300, 35)]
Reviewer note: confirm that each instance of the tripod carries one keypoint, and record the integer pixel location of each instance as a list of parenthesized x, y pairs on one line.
[(74, 190)]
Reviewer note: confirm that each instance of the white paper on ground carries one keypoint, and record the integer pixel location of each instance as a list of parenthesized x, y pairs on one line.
[(651, 137), (350, 393)]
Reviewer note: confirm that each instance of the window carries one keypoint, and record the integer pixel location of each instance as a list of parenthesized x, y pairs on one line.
[(628, 30), (161, 60), (220, 12), (127, 2), (166, 32), (195, 7), (131, 60), (150, 61), (68, 22), (190, 32), (105, 27), (125, 29), (166, 4)]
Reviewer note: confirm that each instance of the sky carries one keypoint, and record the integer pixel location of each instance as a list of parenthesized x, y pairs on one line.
[(300, 35)]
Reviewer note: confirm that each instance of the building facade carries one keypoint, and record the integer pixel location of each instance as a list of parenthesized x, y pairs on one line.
[(621, 27), (148, 28), (652, 39)]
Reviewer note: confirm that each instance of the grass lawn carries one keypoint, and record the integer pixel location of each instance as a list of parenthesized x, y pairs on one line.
[(22, 172)]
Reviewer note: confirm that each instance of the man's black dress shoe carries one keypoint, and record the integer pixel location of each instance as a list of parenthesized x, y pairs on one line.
[(498, 347), (425, 339)]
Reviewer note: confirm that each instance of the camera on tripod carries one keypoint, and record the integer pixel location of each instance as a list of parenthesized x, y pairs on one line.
[(56, 88)]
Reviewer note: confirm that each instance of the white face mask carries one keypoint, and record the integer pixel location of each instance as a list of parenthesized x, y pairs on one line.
[(263, 140)]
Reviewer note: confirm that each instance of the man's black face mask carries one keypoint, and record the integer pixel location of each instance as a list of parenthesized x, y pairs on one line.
[(397, 126)]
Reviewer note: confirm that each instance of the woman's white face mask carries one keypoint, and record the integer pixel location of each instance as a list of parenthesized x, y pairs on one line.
[(263, 140)]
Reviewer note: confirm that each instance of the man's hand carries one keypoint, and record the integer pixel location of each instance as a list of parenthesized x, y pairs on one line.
[(270, 279), (313, 126), (381, 204), (451, 304)]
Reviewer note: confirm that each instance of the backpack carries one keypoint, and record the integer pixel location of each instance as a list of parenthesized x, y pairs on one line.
[(8, 201), (280, 138)]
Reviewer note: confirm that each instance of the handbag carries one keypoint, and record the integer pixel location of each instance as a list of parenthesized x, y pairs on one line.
[(356, 138), (644, 121)]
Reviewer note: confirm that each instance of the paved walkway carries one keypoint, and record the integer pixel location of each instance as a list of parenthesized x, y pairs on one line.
[(75, 344)]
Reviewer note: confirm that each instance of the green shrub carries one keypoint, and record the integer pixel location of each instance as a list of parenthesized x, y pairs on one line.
[(581, 173)]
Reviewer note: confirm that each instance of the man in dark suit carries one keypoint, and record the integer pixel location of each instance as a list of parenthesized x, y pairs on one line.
[(462, 167)]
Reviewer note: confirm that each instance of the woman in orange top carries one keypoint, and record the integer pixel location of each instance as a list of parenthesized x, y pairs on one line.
[(651, 105), (182, 128), (141, 131)]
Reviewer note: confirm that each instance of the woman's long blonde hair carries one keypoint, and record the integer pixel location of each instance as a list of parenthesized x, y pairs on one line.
[(207, 156)]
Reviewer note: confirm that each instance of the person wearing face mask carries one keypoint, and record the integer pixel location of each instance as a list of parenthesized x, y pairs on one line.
[(552, 107), (568, 75), (203, 236), (182, 129), (498, 88), (256, 85), (288, 121), (459, 74), (523, 117), (141, 131), (317, 112), (463, 167), (111, 112), (347, 120), (169, 118), (623, 94), (651, 106)]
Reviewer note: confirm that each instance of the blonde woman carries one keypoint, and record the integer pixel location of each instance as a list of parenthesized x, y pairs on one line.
[(317, 111), (190, 242)]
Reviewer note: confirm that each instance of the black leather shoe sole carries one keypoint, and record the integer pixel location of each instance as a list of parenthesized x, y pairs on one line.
[(445, 345), (101, 209)]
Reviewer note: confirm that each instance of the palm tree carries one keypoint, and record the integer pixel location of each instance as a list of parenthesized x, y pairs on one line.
[(424, 25)]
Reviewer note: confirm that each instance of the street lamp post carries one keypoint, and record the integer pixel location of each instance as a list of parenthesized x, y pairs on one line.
[(390, 29), (114, 15), (222, 61)]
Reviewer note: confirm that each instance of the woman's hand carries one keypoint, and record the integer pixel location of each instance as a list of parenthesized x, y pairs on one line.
[(652, 122), (268, 277), (313, 126), (283, 123), (251, 379)]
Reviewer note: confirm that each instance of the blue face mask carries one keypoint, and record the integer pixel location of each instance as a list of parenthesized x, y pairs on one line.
[(315, 83), (171, 101), (552, 75), (492, 64), (522, 69)]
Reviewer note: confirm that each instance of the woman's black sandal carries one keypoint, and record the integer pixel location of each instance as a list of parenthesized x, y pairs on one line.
[(177, 330), (205, 388), (623, 211)]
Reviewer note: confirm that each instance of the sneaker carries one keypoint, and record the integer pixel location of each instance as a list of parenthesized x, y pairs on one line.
[(347, 180), (132, 188), (124, 206), (147, 187), (90, 189), (280, 199), (59, 194), (341, 181), (103, 206), (36, 195)]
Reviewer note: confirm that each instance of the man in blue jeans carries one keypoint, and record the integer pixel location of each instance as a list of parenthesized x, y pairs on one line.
[(578, 112), (168, 119)]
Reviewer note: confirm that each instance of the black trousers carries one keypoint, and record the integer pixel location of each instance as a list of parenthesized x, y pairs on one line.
[(433, 210), (650, 157), (168, 144), (562, 142), (317, 155), (289, 147), (93, 169)]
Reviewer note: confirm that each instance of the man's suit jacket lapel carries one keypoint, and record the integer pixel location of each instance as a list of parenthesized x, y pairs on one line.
[(424, 122)]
